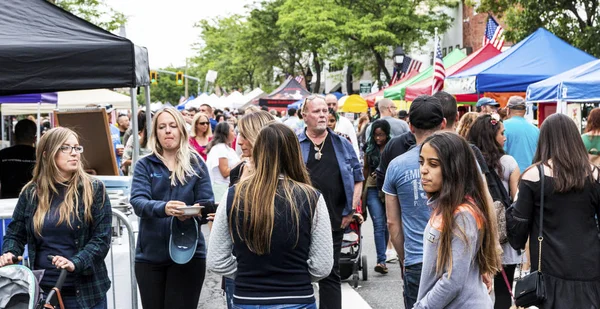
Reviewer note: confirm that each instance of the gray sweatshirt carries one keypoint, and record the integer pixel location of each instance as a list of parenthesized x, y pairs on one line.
[(221, 261), (464, 288)]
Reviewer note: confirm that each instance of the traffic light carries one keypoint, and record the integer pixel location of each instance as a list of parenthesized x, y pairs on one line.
[(153, 77), (179, 79)]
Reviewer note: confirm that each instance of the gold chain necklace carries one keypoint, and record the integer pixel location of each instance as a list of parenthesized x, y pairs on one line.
[(318, 153)]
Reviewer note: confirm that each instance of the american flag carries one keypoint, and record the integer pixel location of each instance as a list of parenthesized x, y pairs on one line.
[(408, 66), (299, 78), (494, 34), (439, 72)]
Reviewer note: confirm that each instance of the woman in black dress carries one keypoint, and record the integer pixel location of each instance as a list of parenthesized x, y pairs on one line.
[(570, 247)]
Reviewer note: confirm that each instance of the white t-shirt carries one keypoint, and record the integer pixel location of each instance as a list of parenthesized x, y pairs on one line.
[(212, 162), (344, 125), (509, 164)]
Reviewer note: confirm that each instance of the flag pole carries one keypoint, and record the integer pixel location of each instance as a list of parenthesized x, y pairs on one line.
[(435, 44)]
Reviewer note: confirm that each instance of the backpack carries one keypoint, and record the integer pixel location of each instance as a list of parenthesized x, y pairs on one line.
[(501, 202)]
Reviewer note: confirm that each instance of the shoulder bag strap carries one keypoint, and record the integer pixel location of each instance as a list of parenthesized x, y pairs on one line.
[(541, 236)]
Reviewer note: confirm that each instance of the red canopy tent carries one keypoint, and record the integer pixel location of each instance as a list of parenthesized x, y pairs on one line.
[(424, 87), (372, 97)]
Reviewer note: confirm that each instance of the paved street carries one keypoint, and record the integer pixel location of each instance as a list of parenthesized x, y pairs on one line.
[(379, 291)]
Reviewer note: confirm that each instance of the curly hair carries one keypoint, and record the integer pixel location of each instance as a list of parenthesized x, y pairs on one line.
[(593, 121), (483, 135), (465, 123)]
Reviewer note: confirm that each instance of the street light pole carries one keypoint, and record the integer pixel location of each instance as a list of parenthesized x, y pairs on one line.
[(186, 80)]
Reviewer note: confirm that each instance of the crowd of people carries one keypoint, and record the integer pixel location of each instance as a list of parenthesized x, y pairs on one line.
[(454, 197)]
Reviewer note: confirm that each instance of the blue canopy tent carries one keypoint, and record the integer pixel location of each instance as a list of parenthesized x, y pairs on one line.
[(581, 84), (30, 103), (537, 57), (296, 104)]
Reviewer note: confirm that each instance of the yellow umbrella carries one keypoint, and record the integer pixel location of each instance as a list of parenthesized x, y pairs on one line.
[(355, 104)]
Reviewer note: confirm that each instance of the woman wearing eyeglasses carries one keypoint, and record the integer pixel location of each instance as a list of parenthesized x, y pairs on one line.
[(200, 134), (66, 213)]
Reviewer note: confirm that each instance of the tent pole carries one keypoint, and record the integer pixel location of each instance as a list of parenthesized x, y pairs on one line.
[(2, 121), (38, 125), (148, 111), (134, 130)]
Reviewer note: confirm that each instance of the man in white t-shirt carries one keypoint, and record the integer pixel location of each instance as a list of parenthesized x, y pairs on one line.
[(344, 125)]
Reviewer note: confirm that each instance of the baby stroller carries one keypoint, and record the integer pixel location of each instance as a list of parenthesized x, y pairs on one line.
[(351, 259), (19, 288)]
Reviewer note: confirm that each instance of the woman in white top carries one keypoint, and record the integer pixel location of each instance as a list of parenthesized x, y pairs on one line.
[(221, 158), (487, 133)]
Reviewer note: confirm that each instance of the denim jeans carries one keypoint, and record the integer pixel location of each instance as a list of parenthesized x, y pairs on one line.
[(229, 289), (412, 277), (380, 231), (283, 306)]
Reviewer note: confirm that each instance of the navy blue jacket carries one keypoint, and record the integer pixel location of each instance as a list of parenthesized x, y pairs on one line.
[(150, 191)]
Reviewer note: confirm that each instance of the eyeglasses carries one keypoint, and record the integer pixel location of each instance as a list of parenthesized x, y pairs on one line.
[(69, 149), (203, 123)]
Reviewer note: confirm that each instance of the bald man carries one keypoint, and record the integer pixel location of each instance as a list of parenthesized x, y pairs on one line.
[(344, 125), (387, 109)]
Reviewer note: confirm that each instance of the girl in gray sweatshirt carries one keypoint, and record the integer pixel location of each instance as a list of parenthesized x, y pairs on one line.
[(459, 241)]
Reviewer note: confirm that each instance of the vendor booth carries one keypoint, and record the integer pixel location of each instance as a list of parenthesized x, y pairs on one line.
[(574, 92), (372, 98), (398, 92), (287, 93), (537, 57)]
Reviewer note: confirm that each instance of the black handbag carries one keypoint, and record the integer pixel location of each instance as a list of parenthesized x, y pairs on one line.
[(531, 290)]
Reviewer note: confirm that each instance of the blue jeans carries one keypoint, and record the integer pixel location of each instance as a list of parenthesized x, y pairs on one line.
[(229, 289), (412, 277), (294, 306), (380, 231)]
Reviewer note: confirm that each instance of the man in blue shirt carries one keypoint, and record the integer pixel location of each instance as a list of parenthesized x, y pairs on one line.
[(335, 171), (521, 136), (405, 201)]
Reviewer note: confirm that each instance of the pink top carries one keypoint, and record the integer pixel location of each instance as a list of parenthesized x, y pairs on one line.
[(199, 148)]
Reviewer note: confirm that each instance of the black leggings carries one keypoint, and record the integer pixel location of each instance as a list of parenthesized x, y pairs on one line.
[(170, 286), (503, 298)]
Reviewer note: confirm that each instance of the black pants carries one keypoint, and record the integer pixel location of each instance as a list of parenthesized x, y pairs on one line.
[(503, 298), (170, 286), (330, 288)]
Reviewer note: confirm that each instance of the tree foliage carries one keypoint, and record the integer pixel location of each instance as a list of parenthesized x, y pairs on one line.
[(94, 11), (166, 90), (575, 21)]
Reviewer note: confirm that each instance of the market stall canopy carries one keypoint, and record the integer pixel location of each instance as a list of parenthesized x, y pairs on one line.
[(287, 93), (424, 87), (70, 100), (44, 48), (397, 92), (537, 57), (376, 96), (581, 84), (354, 104), (22, 104)]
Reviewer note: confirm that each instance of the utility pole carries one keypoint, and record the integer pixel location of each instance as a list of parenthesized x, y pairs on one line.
[(186, 80)]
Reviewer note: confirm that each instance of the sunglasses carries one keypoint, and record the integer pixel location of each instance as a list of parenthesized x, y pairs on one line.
[(203, 123)]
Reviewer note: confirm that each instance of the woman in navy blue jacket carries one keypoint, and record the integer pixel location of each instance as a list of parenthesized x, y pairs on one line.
[(172, 177)]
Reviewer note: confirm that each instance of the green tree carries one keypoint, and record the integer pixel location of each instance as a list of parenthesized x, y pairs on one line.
[(94, 11), (575, 21), (166, 90)]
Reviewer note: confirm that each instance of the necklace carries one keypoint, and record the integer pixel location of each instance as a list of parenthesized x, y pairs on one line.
[(318, 153)]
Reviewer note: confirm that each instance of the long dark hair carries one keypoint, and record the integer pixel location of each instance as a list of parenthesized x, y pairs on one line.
[(372, 151), (561, 143), (219, 136), (483, 135), (141, 118), (276, 153), (462, 184)]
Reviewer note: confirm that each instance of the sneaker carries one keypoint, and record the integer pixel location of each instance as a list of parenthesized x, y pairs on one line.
[(391, 255), (381, 268)]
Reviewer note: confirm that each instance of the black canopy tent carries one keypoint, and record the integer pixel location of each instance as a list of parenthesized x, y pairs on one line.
[(44, 48)]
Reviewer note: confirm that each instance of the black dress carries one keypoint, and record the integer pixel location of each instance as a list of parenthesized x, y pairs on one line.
[(571, 245)]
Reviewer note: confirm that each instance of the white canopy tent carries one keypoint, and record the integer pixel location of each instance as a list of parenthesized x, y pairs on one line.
[(71, 99)]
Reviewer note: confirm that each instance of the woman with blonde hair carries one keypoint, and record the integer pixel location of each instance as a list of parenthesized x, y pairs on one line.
[(277, 224), (66, 213), (459, 241), (201, 133), (170, 252), (465, 123)]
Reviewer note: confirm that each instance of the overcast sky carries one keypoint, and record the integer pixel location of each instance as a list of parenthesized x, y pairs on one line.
[(166, 28)]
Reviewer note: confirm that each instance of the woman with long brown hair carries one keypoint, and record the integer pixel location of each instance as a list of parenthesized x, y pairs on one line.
[(591, 137), (66, 213), (278, 225), (570, 245), (460, 237)]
